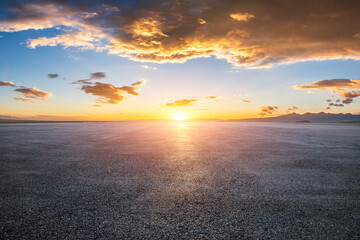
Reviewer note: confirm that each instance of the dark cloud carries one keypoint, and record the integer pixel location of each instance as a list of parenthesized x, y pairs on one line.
[(347, 101), (53, 75), (267, 110), (6, 83), (256, 33), (97, 75), (336, 105)]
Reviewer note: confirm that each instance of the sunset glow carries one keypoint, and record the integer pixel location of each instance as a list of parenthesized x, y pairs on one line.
[(179, 116)]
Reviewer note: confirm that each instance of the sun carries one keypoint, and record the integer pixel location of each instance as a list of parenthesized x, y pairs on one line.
[(179, 116)]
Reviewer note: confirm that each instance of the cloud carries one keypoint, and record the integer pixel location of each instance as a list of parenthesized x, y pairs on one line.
[(253, 34), (28, 94), (93, 76), (108, 93), (331, 84), (246, 101), (291, 109), (22, 99), (336, 105), (6, 83), (97, 75), (267, 110), (53, 75), (349, 94), (345, 88), (139, 83), (182, 103), (242, 16), (148, 67), (347, 101), (201, 21), (212, 97), (189, 101)]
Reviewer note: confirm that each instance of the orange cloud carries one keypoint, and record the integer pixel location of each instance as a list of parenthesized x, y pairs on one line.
[(260, 36), (267, 110), (138, 83), (201, 21), (242, 16), (182, 103), (246, 101), (188, 102), (7, 83), (346, 88), (95, 105), (31, 93), (28, 94), (22, 99), (212, 97), (331, 84), (107, 93)]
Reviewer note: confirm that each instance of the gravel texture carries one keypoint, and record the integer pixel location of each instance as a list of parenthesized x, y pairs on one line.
[(179, 181)]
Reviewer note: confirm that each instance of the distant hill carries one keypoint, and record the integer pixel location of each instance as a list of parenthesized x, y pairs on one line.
[(35, 121), (292, 117), (307, 117)]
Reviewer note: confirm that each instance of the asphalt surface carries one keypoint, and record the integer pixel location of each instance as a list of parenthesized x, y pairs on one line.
[(179, 181)]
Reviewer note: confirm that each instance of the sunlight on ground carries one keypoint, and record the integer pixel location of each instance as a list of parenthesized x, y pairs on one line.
[(179, 116)]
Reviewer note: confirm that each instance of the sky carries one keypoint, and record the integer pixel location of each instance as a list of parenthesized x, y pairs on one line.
[(126, 60)]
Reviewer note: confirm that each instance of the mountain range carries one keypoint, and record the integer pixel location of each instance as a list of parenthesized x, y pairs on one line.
[(307, 117)]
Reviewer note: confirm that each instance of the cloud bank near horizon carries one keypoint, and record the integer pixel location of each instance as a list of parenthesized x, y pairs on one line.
[(348, 89), (28, 94), (252, 34)]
